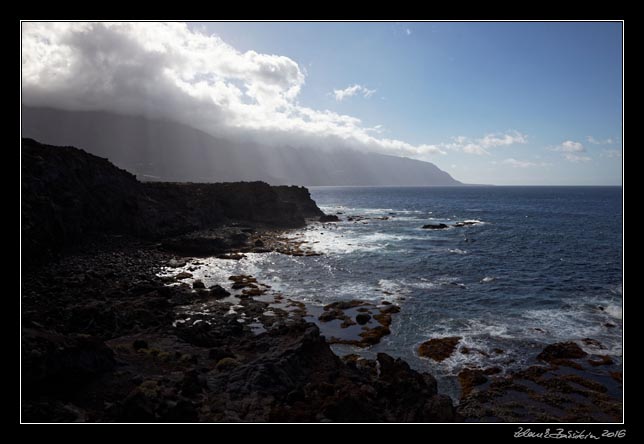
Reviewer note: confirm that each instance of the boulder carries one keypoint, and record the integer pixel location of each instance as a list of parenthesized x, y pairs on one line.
[(329, 218), (439, 349), (362, 318), (561, 350), (434, 226)]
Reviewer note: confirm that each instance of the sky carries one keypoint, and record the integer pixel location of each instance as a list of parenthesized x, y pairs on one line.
[(490, 103)]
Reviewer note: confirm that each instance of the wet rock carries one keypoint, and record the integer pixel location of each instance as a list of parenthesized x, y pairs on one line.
[(198, 285), (600, 360), (372, 336), (390, 309), (219, 292), (469, 378), (243, 281), (561, 350), (259, 243), (434, 226), (347, 322), (183, 275), (250, 292), (439, 349), (362, 318), (593, 343), (329, 218), (383, 319), (343, 305), (331, 315)]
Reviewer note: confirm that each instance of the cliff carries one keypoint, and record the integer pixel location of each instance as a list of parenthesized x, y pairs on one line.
[(69, 195)]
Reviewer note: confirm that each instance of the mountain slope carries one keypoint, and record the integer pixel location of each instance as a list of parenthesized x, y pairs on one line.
[(169, 151)]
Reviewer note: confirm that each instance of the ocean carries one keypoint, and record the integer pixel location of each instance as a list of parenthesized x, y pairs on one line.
[(539, 265)]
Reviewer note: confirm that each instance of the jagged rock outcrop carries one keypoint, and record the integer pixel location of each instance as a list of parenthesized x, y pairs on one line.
[(68, 195)]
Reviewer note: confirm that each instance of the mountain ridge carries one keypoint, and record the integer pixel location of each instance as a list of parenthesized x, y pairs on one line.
[(148, 149)]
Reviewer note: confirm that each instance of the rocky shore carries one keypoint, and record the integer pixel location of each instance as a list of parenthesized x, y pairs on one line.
[(118, 326), (106, 336)]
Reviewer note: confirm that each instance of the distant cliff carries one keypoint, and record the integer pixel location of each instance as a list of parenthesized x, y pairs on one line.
[(68, 195), (169, 151)]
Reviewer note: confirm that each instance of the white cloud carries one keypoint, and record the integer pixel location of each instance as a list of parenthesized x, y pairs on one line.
[(521, 164), (481, 145), (570, 147), (612, 153), (167, 70), (408, 31), (594, 141), (576, 158), (571, 150), (350, 91)]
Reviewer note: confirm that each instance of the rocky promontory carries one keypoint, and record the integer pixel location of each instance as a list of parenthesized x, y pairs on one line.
[(69, 196)]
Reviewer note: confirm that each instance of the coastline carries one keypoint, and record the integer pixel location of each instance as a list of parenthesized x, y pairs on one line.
[(102, 342)]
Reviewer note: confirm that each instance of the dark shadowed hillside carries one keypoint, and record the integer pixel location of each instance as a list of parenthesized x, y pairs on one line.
[(169, 151), (68, 195)]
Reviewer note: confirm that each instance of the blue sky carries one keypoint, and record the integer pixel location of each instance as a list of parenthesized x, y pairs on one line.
[(558, 85)]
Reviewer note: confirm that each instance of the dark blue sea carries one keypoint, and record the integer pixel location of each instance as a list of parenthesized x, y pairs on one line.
[(540, 265)]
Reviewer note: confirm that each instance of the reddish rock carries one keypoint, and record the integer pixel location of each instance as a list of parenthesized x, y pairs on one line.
[(469, 378), (439, 349), (561, 350)]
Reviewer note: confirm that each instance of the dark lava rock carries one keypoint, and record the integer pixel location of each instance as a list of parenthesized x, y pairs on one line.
[(198, 284), (259, 243), (434, 226), (192, 384), (343, 305), (372, 336), (217, 354), (218, 291), (561, 350), (469, 378), (139, 344), (51, 361), (362, 318), (439, 349), (67, 195), (331, 315), (329, 218)]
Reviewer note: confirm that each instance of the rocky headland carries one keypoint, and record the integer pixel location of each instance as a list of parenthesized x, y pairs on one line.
[(106, 336)]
